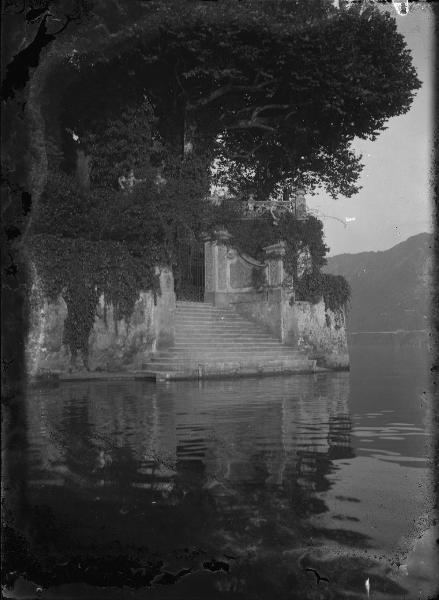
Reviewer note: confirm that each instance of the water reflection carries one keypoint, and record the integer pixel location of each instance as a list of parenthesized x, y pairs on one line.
[(277, 432), (224, 488)]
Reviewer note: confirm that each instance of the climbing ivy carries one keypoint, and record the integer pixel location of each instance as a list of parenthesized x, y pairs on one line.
[(81, 271), (334, 289), (89, 242), (300, 236), (251, 236)]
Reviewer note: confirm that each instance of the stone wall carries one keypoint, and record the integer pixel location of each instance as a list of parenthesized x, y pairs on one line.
[(264, 308), (228, 275), (114, 345), (318, 331)]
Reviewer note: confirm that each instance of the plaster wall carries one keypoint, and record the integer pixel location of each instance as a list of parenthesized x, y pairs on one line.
[(228, 275), (114, 345), (264, 308)]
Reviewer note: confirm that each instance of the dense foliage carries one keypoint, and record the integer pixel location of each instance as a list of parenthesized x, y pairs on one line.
[(208, 71), (159, 92), (251, 236), (81, 271), (334, 289), (301, 237), (85, 243)]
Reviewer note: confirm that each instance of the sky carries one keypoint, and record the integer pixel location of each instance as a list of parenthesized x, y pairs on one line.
[(395, 201)]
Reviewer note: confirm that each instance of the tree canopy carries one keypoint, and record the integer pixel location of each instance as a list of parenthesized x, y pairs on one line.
[(274, 91)]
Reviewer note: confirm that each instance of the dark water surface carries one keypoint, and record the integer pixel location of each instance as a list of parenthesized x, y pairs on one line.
[(232, 489)]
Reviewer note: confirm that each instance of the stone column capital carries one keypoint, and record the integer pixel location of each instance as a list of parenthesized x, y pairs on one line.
[(223, 235), (276, 250)]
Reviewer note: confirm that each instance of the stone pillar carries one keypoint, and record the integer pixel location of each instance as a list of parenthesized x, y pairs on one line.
[(164, 310), (300, 204), (209, 270), (216, 269), (274, 261)]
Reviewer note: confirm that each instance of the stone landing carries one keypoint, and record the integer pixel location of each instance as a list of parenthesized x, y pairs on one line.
[(217, 342)]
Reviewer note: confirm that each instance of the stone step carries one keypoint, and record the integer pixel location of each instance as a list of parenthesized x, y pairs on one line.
[(185, 321), (198, 330), (292, 364), (206, 311), (224, 340), (212, 346), (210, 355), (219, 323), (269, 350), (202, 308), (214, 321), (228, 355), (192, 303), (223, 331), (209, 317), (216, 324), (219, 326), (228, 359), (230, 348), (225, 371), (211, 341), (216, 346), (175, 365), (190, 341), (237, 341)]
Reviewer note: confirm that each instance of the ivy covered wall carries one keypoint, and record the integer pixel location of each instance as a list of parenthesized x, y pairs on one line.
[(114, 342)]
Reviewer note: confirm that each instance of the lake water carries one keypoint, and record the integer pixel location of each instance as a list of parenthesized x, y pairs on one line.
[(233, 489)]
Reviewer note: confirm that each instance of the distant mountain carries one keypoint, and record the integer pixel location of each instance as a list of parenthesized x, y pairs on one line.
[(390, 289)]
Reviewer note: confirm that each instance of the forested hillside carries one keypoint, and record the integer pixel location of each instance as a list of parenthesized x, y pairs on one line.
[(390, 289)]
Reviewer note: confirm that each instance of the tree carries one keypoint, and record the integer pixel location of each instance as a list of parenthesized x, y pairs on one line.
[(275, 91)]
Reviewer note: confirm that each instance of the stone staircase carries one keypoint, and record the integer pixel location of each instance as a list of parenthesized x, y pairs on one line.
[(217, 342)]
